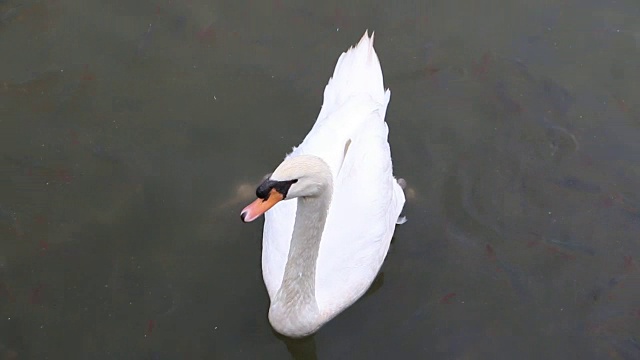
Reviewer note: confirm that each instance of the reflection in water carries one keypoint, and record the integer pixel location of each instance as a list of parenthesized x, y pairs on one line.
[(300, 349)]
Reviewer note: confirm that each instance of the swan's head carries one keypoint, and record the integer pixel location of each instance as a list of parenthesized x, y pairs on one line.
[(300, 176)]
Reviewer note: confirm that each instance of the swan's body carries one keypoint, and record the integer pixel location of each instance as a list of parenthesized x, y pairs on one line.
[(322, 251)]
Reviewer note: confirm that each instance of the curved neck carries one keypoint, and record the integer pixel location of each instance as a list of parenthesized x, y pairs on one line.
[(295, 302)]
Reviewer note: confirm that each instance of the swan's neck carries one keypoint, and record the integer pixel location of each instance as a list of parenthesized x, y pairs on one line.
[(295, 307)]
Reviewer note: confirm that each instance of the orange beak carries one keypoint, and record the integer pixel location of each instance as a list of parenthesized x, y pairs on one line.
[(260, 206)]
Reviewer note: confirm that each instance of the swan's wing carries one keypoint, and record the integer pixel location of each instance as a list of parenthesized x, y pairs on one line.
[(328, 138), (365, 206), (355, 89), (357, 72)]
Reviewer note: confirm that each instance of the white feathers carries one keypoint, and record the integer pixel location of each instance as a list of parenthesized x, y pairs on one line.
[(350, 135)]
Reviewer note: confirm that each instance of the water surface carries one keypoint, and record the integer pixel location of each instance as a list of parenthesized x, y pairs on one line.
[(134, 132)]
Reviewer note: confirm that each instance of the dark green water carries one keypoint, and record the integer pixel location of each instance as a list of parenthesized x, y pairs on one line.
[(132, 133)]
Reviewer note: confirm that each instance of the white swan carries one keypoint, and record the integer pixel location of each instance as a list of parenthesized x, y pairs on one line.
[(323, 251)]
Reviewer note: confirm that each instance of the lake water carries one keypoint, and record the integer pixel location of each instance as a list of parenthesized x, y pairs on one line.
[(133, 133)]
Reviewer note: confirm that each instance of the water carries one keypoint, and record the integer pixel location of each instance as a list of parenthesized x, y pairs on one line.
[(134, 132)]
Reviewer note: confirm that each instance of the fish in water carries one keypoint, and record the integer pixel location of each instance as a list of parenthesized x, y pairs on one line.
[(11, 218), (575, 183), (572, 246)]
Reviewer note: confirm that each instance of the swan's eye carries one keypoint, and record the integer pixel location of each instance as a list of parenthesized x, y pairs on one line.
[(282, 187)]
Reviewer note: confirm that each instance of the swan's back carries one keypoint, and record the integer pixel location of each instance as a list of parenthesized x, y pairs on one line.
[(355, 90), (351, 136)]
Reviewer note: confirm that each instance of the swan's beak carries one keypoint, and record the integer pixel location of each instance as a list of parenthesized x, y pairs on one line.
[(260, 206)]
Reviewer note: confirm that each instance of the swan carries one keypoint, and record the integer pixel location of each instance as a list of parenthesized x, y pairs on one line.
[(321, 252)]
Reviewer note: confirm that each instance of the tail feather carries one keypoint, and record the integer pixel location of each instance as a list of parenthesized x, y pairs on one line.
[(357, 72)]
